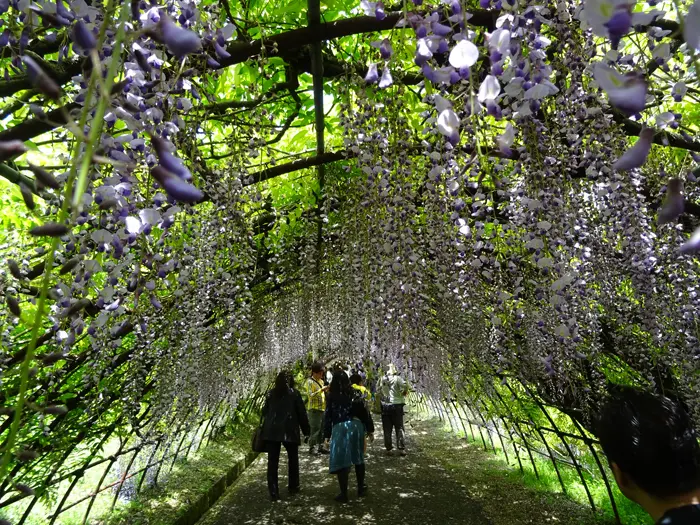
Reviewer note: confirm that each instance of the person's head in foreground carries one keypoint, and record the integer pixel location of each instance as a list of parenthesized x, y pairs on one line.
[(653, 450)]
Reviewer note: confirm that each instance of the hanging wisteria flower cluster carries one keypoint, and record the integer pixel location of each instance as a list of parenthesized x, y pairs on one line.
[(515, 200)]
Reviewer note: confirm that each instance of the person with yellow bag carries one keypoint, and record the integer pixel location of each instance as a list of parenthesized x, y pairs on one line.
[(365, 396)]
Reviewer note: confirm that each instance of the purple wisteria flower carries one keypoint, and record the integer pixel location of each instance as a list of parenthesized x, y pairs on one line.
[(384, 46), (464, 55), (370, 8), (692, 245), (386, 79), (636, 156), (609, 18), (169, 161), (41, 80), (506, 139), (448, 124), (372, 75), (221, 51), (489, 91), (379, 12), (179, 41), (499, 42), (176, 187), (691, 27), (674, 202), (619, 24), (625, 92), (12, 148), (83, 37)]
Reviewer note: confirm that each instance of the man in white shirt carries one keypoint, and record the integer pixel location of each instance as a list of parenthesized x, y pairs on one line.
[(393, 389)]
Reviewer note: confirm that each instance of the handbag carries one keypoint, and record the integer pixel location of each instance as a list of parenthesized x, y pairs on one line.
[(258, 444)]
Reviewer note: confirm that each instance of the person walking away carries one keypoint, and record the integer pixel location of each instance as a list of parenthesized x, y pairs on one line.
[(346, 423), (393, 389), (283, 415), (362, 395), (316, 395), (357, 384), (652, 446)]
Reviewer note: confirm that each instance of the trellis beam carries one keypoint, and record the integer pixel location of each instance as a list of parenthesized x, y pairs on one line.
[(314, 19)]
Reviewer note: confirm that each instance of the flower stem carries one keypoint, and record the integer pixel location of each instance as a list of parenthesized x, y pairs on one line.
[(98, 120), (62, 216)]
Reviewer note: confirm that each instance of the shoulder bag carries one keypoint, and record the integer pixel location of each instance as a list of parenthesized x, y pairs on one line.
[(258, 444)]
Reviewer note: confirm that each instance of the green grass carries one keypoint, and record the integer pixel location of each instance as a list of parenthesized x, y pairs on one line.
[(187, 483), (548, 482), (159, 505)]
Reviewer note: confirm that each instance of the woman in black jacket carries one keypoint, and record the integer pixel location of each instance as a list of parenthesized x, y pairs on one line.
[(346, 422), (283, 414)]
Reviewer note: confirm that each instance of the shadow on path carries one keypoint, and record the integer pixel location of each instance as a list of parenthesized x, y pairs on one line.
[(500, 489), (409, 490)]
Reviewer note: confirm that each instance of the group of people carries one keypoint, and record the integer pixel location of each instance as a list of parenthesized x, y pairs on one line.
[(650, 440), (336, 421)]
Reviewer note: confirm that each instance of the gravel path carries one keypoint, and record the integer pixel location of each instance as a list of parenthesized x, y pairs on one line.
[(422, 488), (409, 490)]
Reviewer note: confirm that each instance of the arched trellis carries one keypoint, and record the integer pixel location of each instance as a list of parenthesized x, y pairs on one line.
[(510, 431), (199, 431), (166, 449)]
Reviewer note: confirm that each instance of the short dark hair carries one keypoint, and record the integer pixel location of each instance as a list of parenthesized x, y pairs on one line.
[(317, 367), (652, 439), (356, 379)]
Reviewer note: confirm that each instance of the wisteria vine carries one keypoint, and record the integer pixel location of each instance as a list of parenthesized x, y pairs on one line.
[(491, 216)]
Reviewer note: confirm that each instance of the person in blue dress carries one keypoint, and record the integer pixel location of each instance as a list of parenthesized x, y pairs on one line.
[(346, 423)]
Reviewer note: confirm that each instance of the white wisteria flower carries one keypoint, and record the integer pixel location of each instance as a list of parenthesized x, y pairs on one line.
[(489, 89), (448, 125), (464, 54)]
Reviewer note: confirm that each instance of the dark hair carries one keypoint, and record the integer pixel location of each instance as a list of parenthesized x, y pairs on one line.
[(652, 440), (283, 382), (356, 379), (317, 367), (340, 386)]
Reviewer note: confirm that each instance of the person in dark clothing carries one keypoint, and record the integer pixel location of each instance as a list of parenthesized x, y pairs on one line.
[(284, 413), (346, 422), (653, 450)]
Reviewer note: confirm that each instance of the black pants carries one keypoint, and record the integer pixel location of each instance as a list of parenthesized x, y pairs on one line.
[(344, 479), (273, 463), (392, 420)]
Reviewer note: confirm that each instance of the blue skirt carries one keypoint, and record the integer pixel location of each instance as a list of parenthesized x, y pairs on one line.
[(347, 445)]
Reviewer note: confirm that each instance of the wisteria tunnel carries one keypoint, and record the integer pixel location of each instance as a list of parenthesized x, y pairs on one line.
[(497, 197)]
